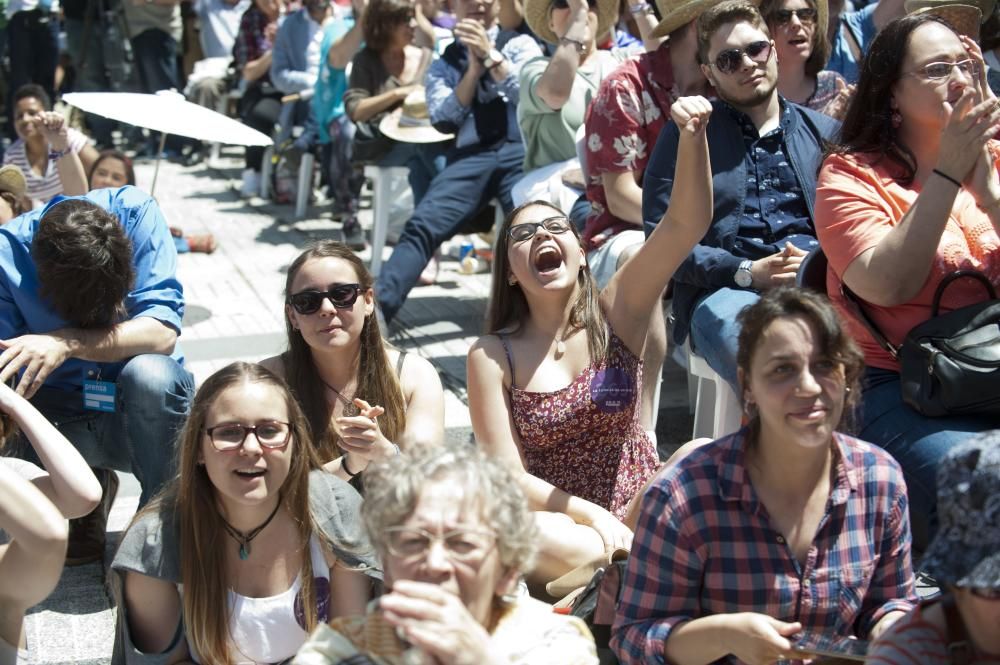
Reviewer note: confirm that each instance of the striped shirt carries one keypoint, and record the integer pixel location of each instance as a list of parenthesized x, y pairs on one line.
[(913, 640), (41, 188), (704, 546)]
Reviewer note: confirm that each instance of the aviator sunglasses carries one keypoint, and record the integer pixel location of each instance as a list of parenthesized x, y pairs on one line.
[(731, 60), (784, 16), (343, 296)]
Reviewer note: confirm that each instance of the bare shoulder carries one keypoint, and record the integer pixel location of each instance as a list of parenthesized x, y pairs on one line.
[(274, 364)]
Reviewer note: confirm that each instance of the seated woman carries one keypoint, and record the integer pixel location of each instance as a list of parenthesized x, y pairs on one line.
[(113, 169), (910, 195), (343, 373), (799, 29), (248, 549), (34, 505), (554, 385), (965, 559), (454, 533), (783, 527), (555, 91), (45, 145), (383, 73)]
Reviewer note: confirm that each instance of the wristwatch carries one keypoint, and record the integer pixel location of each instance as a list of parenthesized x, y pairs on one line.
[(493, 58), (743, 276)]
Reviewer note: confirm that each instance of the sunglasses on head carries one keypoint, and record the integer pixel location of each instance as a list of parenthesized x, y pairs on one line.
[(784, 16), (731, 60), (343, 296)]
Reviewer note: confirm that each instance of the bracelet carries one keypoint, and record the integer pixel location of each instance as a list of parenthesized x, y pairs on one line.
[(639, 8), (947, 177), (59, 154), (343, 465), (580, 47)]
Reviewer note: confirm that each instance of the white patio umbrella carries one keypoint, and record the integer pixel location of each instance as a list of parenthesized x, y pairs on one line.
[(169, 113)]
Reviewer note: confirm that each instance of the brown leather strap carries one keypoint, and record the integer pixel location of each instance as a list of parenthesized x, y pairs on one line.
[(959, 647)]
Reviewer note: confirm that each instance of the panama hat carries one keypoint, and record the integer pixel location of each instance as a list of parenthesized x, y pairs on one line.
[(536, 13), (965, 17), (12, 180), (677, 13), (411, 123)]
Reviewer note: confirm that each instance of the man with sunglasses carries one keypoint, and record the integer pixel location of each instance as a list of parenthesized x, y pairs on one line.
[(472, 92), (765, 153), (90, 311)]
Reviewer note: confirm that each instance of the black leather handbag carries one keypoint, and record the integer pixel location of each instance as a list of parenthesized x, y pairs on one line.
[(949, 364)]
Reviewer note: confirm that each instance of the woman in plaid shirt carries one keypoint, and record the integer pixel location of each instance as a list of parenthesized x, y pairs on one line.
[(784, 527)]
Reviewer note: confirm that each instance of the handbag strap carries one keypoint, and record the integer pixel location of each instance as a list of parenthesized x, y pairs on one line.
[(959, 647), (960, 274), (854, 303)]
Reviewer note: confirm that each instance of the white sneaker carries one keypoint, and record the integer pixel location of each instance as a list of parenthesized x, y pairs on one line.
[(251, 183)]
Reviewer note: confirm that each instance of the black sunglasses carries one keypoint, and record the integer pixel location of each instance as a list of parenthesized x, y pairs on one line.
[(731, 60), (343, 296), (526, 231), (805, 15)]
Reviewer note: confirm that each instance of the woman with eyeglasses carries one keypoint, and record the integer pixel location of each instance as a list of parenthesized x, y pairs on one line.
[(554, 384), (364, 399), (250, 547), (802, 46), (909, 195), (454, 533)]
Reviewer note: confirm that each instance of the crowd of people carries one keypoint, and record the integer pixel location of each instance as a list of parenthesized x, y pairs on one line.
[(692, 158)]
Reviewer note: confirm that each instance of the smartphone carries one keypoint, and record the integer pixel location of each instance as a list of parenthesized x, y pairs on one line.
[(817, 644)]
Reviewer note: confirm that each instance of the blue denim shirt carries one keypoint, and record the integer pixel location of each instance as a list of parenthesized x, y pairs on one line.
[(156, 293), (862, 25), (712, 264), (774, 211)]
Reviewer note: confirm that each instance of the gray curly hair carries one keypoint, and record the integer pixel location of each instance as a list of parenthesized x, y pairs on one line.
[(392, 489)]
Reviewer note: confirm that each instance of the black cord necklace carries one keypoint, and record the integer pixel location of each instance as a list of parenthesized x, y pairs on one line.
[(350, 408), (244, 538)]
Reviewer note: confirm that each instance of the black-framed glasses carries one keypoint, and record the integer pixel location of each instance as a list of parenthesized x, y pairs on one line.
[(343, 296), (939, 71), (526, 231), (230, 436), (784, 16), (731, 60), (460, 544)]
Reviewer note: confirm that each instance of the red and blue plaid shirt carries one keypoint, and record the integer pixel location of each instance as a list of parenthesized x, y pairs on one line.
[(704, 546)]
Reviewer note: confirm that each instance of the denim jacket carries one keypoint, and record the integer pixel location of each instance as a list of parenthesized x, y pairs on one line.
[(711, 264)]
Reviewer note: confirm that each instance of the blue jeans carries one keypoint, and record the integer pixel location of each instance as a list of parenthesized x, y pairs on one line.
[(456, 194), (424, 160), (152, 401), (917, 442), (714, 330)]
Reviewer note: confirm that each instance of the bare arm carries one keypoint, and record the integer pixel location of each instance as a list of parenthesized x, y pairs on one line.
[(342, 51), (256, 69), (511, 14), (40, 354), (70, 484), (72, 174), (624, 196), (153, 613), (753, 638), (634, 289), (424, 404), (645, 21), (350, 590), (886, 11), (556, 83), (369, 107)]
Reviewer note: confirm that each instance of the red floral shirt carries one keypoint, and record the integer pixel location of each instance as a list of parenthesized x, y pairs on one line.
[(623, 122)]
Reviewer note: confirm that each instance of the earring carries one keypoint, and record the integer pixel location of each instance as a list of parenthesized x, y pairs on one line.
[(896, 119), (511, 281)]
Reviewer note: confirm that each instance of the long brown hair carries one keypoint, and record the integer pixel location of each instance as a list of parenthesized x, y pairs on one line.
[(191, 497), (508, 308), (381, 19), (377, 381), (816, 61)]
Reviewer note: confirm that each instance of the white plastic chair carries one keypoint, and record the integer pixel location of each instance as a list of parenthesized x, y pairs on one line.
[(717, 409)]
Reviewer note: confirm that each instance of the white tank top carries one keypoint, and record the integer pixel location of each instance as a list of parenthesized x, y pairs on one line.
[(271, 630)]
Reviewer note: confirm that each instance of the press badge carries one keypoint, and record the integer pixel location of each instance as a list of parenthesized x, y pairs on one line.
[(99, 395)]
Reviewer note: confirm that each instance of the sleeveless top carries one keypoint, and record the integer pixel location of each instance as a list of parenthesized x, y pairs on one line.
[(272, 629), (586, 438)]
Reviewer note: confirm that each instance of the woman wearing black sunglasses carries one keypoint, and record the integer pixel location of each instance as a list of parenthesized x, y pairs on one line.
[(364, 400), (798, 28), (554, 384)]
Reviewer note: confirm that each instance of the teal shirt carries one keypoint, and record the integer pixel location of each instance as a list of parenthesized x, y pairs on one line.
[(328, 102)]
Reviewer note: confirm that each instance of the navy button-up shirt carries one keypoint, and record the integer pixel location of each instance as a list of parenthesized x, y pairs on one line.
[(774, 211)]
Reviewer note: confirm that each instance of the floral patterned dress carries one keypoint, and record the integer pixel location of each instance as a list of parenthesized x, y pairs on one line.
[(586, 438)]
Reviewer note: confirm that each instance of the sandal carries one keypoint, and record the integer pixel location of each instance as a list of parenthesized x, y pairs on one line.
[(202, 243)]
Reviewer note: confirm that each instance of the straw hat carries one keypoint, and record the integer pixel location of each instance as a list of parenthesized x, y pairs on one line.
[(677, 13), (411, 123), (12, 180), (965, 18), (536, 13)]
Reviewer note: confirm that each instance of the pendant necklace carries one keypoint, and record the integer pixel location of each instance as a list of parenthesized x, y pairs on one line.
[(561, 344), (350, 408), (244, 538)]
